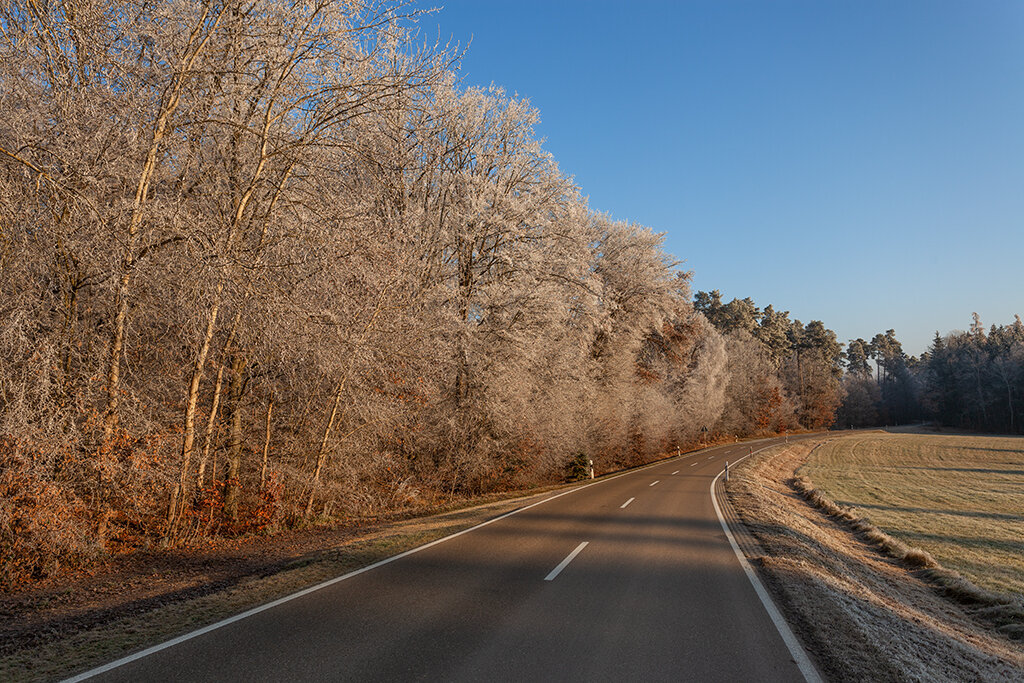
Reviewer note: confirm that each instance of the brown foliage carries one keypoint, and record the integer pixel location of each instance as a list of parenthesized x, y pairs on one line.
[(43, 526)]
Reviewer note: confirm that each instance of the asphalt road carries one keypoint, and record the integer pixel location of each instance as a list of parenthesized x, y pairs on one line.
[(656, 593)]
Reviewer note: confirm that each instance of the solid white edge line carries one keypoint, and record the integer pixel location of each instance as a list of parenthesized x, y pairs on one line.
[(330, 582), (626, 503), (796, 650), (565, 563)]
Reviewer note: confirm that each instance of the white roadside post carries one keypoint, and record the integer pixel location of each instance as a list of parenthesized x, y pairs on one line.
[(591, 468), (727, 470)]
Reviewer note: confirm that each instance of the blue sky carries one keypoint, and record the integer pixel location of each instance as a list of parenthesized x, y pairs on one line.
[(857, 162)]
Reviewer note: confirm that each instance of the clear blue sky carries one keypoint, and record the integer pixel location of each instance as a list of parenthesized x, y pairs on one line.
[(857, 162)]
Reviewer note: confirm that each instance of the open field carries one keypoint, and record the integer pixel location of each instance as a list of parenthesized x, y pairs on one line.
[(960, 498)]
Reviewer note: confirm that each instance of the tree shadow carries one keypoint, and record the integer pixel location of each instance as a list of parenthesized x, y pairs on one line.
[(979, 470), (970, 541), (959, 513)]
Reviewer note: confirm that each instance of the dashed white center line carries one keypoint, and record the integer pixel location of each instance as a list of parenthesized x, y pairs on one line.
[(711, 458), (694, 464), (627, 502), (654, 482), (676, 472), (565, 563)]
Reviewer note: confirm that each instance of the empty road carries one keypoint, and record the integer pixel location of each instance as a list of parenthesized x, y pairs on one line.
[(630, 578)]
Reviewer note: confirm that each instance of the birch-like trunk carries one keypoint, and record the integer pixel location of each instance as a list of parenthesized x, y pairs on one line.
[(266, 444), (170, 101), (179, 497), (321, 452), (212, 419), (232, 488)]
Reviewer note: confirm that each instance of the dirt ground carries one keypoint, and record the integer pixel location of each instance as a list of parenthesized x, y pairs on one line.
[(861, 615)]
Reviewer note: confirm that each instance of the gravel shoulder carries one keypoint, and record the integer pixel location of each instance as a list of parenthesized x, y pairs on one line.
[(861, 614)]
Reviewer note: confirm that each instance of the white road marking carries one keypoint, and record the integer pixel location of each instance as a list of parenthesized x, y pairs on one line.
[(803, 662), (694, 464), (565, 563), (654, 482), (676, 472), (711, 458), (627, 503)]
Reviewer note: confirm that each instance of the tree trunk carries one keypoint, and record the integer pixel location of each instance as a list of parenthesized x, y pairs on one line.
[(212, 420), (180, 495), (321, 456), (266, 444), (321, 453), (172, 98), (232, 489), (1009, 404)]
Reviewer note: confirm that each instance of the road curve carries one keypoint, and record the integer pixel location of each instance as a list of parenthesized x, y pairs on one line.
[(630, 578)]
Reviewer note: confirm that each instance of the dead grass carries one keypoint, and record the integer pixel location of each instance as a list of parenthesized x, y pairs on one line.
[(912, 557), (960, 499)]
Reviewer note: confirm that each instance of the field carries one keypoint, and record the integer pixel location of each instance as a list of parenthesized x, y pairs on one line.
[(960, 498)]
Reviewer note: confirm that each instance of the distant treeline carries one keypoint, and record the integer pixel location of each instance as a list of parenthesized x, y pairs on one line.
[(266, 264), (972, 380)]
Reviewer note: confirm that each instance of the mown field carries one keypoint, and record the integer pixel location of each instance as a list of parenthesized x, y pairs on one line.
[(961, 498)]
